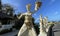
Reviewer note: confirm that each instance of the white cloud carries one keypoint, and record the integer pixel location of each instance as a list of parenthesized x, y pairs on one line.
[(56, 12)]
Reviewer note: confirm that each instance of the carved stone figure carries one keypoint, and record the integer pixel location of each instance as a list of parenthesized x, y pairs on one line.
[(42, 28), (27, 29)]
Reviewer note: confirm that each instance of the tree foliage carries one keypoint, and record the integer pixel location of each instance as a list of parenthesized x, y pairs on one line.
[(8, 9)]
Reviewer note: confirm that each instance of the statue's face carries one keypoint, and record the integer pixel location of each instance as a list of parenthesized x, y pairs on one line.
[(28, 7)]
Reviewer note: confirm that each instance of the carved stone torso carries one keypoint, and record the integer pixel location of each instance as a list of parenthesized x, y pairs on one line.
[(28, 19), (27, 29)]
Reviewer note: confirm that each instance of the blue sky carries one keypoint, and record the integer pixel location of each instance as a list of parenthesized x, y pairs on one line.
[(49, 8)]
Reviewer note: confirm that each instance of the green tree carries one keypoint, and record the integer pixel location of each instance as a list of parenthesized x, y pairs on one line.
[(8, 9)]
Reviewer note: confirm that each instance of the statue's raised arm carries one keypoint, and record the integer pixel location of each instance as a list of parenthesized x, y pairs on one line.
[(37, 6)]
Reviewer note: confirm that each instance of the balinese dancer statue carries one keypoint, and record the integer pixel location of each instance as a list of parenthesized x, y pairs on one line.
[(42, 27), (27, 29), (45, 21)]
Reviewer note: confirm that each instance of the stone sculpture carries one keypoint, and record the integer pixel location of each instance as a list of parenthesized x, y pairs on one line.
[(43, 26), (27, 29)]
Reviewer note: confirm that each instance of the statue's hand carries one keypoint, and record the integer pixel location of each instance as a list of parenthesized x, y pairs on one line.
[(37, 5)]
